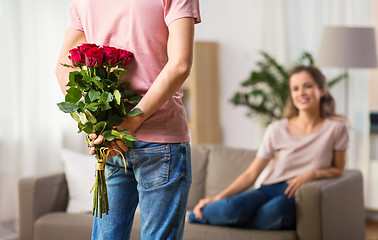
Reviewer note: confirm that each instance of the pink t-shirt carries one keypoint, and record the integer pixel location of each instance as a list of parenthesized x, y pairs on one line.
[(298, 154), (140, 26)]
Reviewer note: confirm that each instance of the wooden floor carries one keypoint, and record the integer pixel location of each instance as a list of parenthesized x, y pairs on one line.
[(371, 230)]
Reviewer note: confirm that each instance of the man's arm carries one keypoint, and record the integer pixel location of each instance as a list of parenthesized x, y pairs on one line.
[(72, 39), (172, 76)]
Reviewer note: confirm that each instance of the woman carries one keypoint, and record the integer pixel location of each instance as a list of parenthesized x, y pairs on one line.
[(309, 143)]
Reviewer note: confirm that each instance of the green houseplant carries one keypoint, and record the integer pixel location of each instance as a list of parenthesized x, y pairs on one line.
[(266, 90)]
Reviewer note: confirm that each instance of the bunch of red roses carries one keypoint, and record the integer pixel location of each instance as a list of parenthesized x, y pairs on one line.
[(92, 55), (98, 100)]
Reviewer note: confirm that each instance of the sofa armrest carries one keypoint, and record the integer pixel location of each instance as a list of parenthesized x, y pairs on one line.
[(331, 208), (37, 196)]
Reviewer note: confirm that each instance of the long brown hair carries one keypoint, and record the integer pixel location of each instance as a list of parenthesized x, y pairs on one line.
[(327, 102)]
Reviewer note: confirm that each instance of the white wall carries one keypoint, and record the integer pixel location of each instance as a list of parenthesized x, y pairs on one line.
[(234, 26)]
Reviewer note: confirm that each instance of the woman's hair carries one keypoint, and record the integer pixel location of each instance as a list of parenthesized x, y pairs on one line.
[(327, 102)]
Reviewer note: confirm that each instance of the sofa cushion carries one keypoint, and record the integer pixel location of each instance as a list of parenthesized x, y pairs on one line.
[(224, 165), (63, 226), (199, 155), (201, 231)]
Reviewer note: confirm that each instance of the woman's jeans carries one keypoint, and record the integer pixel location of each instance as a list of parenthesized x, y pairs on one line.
[(266, 208), (158, 178)]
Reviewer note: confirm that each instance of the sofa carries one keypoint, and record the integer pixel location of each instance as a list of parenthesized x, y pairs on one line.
[(327, 209)]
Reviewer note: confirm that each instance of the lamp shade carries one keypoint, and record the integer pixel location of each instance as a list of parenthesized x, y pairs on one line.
[(348, 47)]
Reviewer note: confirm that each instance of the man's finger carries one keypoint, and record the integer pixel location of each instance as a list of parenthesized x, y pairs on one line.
[(99, 139), (121, 145), (92, 152), (113, 146)]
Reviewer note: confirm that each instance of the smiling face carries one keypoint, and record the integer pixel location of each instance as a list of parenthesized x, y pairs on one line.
[(305, 93)]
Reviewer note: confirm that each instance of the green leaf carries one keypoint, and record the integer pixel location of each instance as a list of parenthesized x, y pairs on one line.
[(92, 106), (80, 126), (90, 117), (101, 72), (116, 134), (108, 136), (106, 97), (100, 126), (75, 116), (337, 79), (128, 94), (130, 138), (123, 109), (114, 120), (88, 140), (83, 118), (105, 106), (134, 112), (135, 99), (97, 80), (68, 107), (86, 77), (117, 96), (73, 95), (88, 128), (81, 85), (86, 98), (120, 72), (128, 143), (94, 95), (123, 132), (73, 77), (81, 105)]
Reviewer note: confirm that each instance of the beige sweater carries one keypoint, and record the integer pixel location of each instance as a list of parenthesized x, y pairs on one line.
[(298, 154)]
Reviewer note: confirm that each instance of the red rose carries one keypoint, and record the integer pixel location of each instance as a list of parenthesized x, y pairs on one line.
[(124, 57), (110, 55), (86, 46), (76, 58), (93, 56)]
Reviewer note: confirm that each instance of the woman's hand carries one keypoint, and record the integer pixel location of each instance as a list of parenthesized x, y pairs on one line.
[(298, 181), (197, 210)]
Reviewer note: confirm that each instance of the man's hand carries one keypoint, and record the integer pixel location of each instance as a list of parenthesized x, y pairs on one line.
[(116, 146)]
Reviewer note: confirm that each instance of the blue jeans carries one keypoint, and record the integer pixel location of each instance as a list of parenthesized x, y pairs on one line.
[(266, 208), (158, 178)]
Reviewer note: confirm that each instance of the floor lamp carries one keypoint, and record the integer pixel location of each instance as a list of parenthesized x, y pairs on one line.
[(348, 47)]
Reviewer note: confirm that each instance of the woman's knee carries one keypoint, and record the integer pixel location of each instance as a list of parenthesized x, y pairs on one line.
[(278, 213)]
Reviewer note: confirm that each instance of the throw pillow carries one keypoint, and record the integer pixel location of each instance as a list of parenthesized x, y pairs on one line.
[(79, 170)]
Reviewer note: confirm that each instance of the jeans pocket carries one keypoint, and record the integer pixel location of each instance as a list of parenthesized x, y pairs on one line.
[(151, 165), (110, 170)]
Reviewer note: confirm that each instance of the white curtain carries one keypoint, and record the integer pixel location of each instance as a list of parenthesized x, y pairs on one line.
[(31, 126)]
